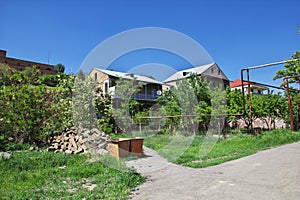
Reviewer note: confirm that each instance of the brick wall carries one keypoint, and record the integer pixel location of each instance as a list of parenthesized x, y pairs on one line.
[(22, 64)]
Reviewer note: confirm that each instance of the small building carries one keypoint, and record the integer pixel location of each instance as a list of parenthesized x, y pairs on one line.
[(21, 65), (210, 73), (255, 88), (106, 79)]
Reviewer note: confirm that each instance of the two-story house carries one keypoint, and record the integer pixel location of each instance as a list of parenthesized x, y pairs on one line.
[(152, 88), (255, 88), (107, 80), (209, 72)]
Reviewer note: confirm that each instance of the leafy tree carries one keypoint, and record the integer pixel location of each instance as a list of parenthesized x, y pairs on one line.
[(269, 107), (234, 105), (29, 71), (81, 75), (84, 112), (190, 99), (124, 107), (103, 106), (218, 108), (59, 68), (171, 105), (30, 113), (292, 69)]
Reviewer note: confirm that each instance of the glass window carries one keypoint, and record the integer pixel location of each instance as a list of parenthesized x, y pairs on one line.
[(106, 88)]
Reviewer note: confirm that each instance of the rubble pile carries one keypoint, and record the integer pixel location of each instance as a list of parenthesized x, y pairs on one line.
[(79, 140)]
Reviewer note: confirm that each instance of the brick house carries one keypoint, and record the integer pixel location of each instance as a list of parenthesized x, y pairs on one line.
[(19, 64)]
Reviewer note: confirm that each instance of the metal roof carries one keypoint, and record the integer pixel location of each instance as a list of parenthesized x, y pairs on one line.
[(196, 70), (129, 76)]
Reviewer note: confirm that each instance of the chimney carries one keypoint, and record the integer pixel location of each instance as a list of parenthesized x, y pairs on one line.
[(130, 75), (2, 53), (185, 73)]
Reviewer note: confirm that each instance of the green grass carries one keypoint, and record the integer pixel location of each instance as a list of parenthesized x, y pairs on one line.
[(47, 175), (223, 150)]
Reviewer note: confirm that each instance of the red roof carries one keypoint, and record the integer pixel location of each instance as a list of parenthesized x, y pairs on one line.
[(238, 83)]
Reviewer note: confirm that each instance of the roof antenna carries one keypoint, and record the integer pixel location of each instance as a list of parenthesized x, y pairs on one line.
[(48, 56)]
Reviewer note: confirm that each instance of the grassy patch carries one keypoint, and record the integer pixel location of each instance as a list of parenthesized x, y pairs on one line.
[(47, 175), (215, 152)]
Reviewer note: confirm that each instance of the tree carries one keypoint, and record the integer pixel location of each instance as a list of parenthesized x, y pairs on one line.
[(84, 112), (203, 94), (103, 106), (292, 69), (59, 68), (81, 75), (268, 108), (171, 105), (30, 113), (124, 107), (190, 99)]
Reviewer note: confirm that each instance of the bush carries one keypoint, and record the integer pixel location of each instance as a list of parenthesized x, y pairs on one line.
[(29, 112)]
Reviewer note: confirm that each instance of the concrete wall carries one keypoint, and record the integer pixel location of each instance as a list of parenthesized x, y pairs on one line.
[(100, 77), (259, 123)]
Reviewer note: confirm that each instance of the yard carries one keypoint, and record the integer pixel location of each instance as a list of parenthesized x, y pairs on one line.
[(47, 175), (236, 146)]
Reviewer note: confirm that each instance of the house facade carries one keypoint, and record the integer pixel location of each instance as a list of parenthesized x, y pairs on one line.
[(210, 73), (107, 81), (152, 88), (255, 88), (21, 65)]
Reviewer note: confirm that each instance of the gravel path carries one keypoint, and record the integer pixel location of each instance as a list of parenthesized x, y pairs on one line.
[(270, 174)]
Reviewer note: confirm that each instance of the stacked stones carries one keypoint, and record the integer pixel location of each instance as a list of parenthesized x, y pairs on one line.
[(78, 140)]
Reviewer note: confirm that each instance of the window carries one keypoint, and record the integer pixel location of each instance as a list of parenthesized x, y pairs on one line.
[(96, 76), (106, 88), (212, 70), (5, 61), (219, 72)]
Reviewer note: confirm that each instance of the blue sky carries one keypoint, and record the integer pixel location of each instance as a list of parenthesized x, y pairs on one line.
[(235, 34)]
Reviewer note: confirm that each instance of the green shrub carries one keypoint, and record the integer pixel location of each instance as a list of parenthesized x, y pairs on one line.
[(30, 112)]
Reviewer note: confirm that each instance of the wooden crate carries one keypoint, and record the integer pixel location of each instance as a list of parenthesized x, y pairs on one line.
[(124, 147)]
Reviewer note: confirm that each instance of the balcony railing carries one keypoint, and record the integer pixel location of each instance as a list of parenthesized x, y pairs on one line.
[(142, 96)]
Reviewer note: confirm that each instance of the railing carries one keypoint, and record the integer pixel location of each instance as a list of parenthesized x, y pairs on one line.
[(141, 96)]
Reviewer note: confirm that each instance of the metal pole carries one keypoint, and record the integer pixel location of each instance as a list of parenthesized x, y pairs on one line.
[(243, 92), (297, 119), (262, 66), (249, 100), (290, 104), (271, 64)]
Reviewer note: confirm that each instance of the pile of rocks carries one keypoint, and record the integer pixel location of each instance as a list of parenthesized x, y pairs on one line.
[(78, 140)]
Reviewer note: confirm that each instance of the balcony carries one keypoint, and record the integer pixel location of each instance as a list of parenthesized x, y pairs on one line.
[(144, 97)]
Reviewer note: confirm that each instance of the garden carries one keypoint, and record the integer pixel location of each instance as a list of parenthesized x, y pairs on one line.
[(36, 108)]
